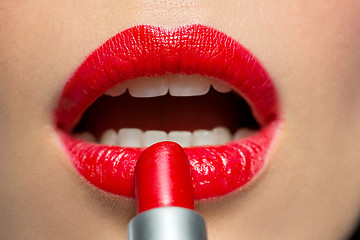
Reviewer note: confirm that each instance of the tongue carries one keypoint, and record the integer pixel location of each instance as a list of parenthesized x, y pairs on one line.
[(167, 113)]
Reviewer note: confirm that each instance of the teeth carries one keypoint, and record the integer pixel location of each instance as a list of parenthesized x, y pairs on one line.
[(176, 85), (134, 137), (151, 137), (148, 87), (220, 86), (222, 134), (86, 136), (203, 137), (117, 90), (109, 137), (184, 138), (130, 137), (182, 85), (243, 133)]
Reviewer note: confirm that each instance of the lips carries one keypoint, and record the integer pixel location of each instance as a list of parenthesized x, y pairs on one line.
[(147, 51)]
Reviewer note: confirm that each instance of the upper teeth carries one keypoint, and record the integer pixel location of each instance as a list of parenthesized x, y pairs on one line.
[(134, 137), (176, 85)]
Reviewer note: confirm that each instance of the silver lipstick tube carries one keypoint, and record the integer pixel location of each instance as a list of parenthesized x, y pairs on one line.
[(167, 223)]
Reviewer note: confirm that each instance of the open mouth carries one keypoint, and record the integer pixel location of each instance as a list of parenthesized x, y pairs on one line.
[(193, 85), (190, 110)]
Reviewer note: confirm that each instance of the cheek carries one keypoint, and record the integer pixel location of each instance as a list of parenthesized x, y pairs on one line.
[(313, 51)]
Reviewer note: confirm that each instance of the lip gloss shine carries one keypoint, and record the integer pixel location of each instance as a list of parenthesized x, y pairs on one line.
[(164, 194)]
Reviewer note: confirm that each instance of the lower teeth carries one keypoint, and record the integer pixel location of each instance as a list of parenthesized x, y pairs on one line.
[(134, 137)]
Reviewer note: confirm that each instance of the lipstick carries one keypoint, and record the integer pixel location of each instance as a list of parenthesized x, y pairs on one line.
[(164, 194)]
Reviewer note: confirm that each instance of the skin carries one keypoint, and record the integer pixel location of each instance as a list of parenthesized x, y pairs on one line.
[(310, 189)]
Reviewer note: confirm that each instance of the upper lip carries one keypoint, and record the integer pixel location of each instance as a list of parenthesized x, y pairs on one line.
[(151, 51)]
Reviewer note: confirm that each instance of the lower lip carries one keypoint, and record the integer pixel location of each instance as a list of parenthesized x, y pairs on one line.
[(216, 170)]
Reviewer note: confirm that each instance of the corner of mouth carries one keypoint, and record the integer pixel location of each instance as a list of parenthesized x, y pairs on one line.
[(146, 52)]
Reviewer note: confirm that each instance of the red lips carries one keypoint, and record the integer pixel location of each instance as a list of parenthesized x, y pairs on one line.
[(152, 51)]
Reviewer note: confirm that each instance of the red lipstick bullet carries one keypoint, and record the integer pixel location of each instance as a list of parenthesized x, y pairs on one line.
[(164, 194)]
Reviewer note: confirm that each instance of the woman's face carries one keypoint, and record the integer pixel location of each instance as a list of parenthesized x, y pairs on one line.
[(309, 188)]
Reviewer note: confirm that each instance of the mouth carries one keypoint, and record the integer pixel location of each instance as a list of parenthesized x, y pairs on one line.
[(193, 85)]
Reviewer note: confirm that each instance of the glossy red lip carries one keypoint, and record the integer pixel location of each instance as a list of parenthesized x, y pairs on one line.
[(152, 51)]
